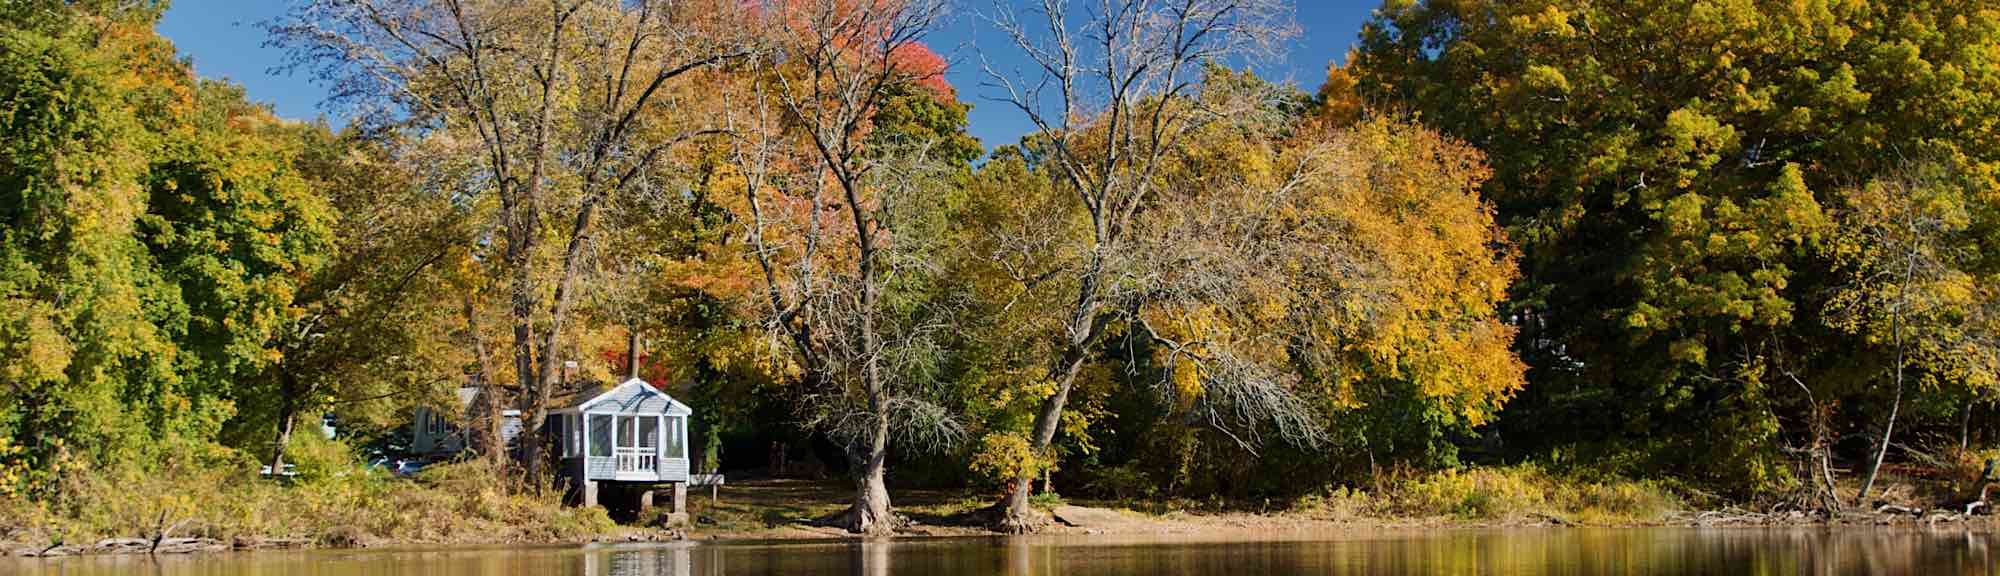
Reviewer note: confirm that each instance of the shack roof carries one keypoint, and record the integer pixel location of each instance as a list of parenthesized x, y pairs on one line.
[(633, 396)]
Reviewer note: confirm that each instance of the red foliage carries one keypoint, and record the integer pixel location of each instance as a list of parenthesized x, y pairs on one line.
[(655, 373), (926, 65)]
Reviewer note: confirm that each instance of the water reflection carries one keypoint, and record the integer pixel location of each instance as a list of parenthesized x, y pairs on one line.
[(1533, 552)]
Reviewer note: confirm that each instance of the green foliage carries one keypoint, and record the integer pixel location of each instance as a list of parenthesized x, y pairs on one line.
[(91, 319), (164, 252), (911, 114), (1666, 168), (1908, 252), (318, 459), (1046, 500), (1122, 482)]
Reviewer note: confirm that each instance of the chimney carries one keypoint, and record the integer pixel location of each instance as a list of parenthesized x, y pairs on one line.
[(632, 355)]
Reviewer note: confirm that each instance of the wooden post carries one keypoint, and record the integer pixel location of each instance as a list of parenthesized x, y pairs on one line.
[(645, 503), (589, 493), (679, 517)]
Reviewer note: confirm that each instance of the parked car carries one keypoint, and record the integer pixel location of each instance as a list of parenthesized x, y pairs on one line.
[(404, 467), (407, 468)]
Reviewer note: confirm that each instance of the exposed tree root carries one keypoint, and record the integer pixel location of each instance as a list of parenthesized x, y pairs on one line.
[(856, 521), (1000, 518)]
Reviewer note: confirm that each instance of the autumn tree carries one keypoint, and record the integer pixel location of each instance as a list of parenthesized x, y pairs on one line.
[(1108, 98), (1293, 283), (1665, 168), (571, 102), (1912, 263), (837, 166), (368, 336), (160, 232)]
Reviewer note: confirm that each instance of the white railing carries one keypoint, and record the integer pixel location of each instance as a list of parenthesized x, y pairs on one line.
[(637, 459)]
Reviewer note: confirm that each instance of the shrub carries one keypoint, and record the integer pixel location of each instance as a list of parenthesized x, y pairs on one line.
[(1123, 482), (1003, 456), (1505, 493), (1336, 503), (316, 458), (1046, 500)]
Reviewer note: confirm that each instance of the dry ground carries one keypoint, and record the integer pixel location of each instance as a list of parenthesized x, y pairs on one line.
[(783, 509)]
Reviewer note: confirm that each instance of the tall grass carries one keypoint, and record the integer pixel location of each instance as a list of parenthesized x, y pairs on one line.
[(1502, 494), (334, 501)]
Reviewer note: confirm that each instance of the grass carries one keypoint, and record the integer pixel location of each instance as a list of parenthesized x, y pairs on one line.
[(1501, 494), (760, 508), (337, 504)]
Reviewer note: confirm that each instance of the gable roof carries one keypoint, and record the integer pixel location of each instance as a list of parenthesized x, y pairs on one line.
[(470, 402), (636, 396)]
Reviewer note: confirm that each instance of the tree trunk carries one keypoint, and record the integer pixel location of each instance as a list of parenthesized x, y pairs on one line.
[(872, 513), (1882, 450), (285, 419), (1888, 432), (523, 220), (871, 496), (1016, 514), (1819, 465), (537, 394), (494, 444), (288, 409), (1965, 427), (1898, 326)]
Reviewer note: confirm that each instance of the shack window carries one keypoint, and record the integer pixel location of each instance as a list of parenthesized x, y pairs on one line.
[(575, 433), (676, 437), (600, 435), (649, 432)]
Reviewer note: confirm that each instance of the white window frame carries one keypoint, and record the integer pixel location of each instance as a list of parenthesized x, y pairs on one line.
[(676, 432), (631, 456)]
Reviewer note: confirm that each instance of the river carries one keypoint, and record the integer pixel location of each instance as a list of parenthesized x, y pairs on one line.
[(1447, 551)]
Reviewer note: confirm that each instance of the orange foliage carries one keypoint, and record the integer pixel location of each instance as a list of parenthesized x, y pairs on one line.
[(838, 19), (926, 66), (1340, 104)]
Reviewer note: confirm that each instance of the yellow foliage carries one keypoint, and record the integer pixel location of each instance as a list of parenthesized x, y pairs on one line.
[(1004, 456), (1423, 307)]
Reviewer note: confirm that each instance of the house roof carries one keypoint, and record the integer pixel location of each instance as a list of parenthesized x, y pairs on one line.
[(467, 394), (634, 395), (469, 402)]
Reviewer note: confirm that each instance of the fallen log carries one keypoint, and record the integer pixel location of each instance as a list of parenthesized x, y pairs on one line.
[(1895, 509)]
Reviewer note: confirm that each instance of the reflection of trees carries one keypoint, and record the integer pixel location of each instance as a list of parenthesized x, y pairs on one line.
[(1678, 551), (672, 560), (1526, 551)]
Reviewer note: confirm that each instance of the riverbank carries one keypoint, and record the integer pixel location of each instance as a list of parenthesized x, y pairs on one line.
[(782, 510), (210, 508), (454, 506)]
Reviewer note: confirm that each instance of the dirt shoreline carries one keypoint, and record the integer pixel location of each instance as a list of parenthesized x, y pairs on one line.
[(779, 510)]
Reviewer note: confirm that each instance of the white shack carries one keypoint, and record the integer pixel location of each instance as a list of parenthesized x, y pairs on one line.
[(631, 434)]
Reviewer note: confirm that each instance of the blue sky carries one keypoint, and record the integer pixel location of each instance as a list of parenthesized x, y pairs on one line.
[(225, 40)]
